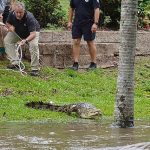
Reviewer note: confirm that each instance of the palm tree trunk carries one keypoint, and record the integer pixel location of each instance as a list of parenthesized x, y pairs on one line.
[(124, 106)]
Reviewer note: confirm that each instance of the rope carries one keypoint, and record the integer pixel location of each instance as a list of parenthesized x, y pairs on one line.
[(20, 63), (19, 49)]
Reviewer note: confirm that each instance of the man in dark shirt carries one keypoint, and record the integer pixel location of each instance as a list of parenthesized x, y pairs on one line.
[(23, 29), (86, 17)]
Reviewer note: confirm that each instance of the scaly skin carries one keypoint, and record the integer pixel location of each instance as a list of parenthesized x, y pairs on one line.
[(83, 110)]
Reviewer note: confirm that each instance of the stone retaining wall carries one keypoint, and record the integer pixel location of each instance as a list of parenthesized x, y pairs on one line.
[(56, 48)]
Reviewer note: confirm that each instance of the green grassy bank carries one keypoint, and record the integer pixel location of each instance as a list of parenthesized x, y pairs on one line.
[(64, 87)]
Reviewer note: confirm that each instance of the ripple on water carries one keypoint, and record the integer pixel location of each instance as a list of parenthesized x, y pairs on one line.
[(138, 146), (73, 136), (34, 140)]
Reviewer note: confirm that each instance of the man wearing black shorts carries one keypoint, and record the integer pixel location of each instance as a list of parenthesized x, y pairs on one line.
[(23, 29), (86, 17)]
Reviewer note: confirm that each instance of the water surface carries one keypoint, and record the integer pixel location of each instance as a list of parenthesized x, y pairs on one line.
[(86, 135)]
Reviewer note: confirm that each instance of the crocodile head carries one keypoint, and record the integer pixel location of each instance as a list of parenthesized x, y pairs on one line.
[(88, 111), (90, 114)]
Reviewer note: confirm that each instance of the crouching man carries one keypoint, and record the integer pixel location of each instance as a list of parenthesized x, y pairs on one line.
[(23, 29)]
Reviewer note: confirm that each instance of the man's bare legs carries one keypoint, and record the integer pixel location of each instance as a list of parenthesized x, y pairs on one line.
[(76, 53), (92, 51), (76, 49)]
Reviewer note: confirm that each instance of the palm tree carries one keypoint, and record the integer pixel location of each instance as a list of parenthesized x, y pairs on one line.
[(124, 106)]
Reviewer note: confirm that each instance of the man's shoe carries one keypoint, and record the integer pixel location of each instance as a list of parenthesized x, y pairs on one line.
[(13, 67), (92, 66), (75, 66), (34, 73)]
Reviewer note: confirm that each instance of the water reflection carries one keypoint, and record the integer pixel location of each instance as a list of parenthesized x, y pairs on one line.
[(73, 136)]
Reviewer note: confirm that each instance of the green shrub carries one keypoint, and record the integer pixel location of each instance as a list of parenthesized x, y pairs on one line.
[(46, 11), (143, 11), (111, 13), (112, 9), (50, 13)]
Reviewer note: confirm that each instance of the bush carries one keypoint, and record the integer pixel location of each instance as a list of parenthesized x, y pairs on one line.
[(143, 12), (46, 11), (50, 13), (111, 13), (112, 9)]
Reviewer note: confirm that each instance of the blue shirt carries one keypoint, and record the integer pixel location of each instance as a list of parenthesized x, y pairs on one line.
[(84, 10)]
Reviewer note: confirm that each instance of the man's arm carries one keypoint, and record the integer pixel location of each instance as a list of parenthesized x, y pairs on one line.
[(31, 23), (96, 19), (96, 15), (29, 38), (70, 16)]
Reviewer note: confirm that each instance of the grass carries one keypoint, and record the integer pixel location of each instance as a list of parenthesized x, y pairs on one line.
[(64, 87)]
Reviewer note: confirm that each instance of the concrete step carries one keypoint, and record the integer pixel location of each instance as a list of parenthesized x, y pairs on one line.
[(56, 48), (59, 55)]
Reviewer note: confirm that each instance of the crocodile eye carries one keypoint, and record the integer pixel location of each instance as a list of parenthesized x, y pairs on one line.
[(73, 106)]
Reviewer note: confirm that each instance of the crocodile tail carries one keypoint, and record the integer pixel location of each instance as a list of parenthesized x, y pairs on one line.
[(41, 105)]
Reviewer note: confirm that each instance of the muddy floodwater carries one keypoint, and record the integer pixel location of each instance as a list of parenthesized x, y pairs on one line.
[(85, 135)]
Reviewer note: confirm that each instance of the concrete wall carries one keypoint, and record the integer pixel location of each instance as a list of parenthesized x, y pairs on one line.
[(56, 48)]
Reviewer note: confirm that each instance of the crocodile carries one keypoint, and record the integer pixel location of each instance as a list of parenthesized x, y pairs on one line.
[(82, 110)]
